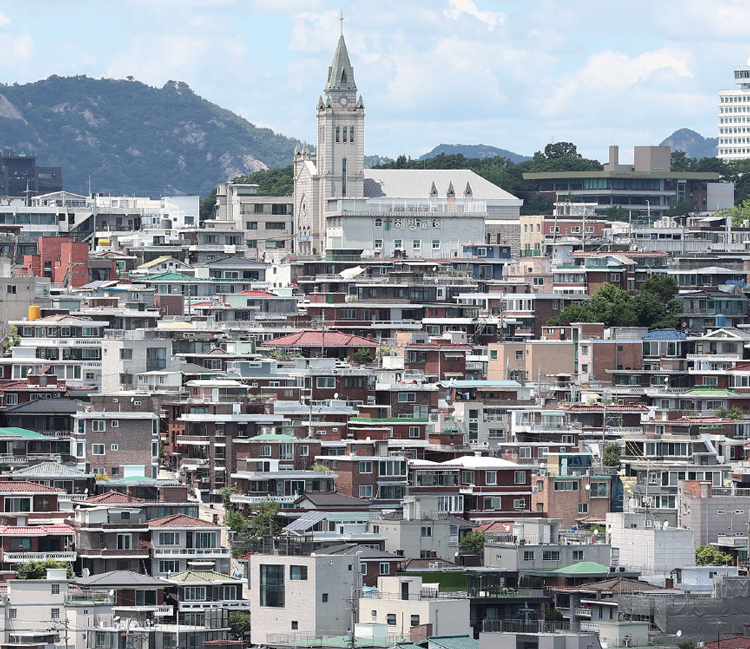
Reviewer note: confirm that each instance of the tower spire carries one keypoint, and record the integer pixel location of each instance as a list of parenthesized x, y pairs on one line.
[(342, 22)]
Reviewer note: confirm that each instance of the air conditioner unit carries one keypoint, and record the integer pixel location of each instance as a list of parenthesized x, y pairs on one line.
[(535, 489)]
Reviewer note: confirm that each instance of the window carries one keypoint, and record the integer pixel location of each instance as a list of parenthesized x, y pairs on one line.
[(407, 397), (114, 447), (378, 244), (275, 225), (124, 542), (550, 555), (391, 619), (99, 426), (528, 555), (415, 620), (55, 589), (577, 555), (416, 244), (328, 382), (566, 485), (13, 613), (265, 451), (11, 289), (519, 477), (298, 573), (304, 451), (194, 593), (126, 354), (519, 503), (98, 449), (583, 508), (436, 244), (365, 466), (55, 613), (295, 625), (169, 566), (168, 538), (614, 277), (490, 477), (252, 225), (324, 597), (272, 585), (599, 490), (425, 530), (365, 491), (338, 134), (414, 431), (385, 568)]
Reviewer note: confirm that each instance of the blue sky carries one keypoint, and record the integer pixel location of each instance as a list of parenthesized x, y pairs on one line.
[(512, 74)]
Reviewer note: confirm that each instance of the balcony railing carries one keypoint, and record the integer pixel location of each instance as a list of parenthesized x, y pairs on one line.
[(24, 557), (192, 552)]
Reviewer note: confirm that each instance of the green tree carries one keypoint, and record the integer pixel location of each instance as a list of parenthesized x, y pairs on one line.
[(682, 208), (617, 213), (264, 520), (686, 644), (553, 615), (12, 340), (720, 412), (739, 213), (708, 555), (239, 625), (735, 413), (226, 494), (663, 286), (271, 182), (561, 150), (235, 521), (362, 356), (612, 454), (207, 205), (38, 569), (473, 542), (537, 204)]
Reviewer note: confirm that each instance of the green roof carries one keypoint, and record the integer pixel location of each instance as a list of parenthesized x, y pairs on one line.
[(583, 568), (454, 641), (21, 432), (710, 392), (170, 277), (201, 576)]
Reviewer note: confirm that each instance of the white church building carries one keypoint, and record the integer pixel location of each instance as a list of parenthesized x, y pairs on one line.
[(341, 208)]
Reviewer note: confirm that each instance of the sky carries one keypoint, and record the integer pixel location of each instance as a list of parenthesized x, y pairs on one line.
[(516, 75)]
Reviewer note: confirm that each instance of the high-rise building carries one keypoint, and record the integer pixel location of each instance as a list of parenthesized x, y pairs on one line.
[(734, 116), (19, 176)]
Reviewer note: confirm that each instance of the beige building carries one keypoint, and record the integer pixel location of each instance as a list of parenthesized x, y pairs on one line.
[(532, 235), (528, 360)]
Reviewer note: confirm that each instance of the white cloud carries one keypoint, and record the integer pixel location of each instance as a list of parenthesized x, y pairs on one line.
[(22, 46), (490, 18), (612, 76), (4, 20)]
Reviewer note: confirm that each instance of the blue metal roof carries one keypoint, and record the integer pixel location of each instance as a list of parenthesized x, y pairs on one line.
[(664, 334)]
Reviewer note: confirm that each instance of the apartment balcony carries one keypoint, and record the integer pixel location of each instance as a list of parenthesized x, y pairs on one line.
[(583, 611), (243, 499), (25, 557), (88, 598), (395, 324), (713, 357), (208, 553), (232, 604)]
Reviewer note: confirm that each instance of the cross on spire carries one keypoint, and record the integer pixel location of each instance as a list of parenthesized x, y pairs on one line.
[(342, 22)]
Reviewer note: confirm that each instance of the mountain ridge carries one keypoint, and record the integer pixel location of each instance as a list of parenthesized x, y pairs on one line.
[(127, 136), (692, 143)]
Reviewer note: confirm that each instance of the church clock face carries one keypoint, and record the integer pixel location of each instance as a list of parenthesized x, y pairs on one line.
[(343, 101)]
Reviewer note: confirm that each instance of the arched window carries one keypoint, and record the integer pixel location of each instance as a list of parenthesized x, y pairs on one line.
[(378, 223), (351, 134), (343, 176), (338, 129)]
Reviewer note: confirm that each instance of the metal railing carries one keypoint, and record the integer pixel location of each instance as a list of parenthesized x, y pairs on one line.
[(158, 552), (522, 626)]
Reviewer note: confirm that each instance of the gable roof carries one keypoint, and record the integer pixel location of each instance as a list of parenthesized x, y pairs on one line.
[(113, 497), (416, 183), (23, 486), (192, 576), (61, 406), (335, 499), (50, 469), (120, 578), (318, 338), (354, 549), (180, 520)]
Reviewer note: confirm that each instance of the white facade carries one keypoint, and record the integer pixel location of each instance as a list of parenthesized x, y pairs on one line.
[(734, 117), (649, 550)]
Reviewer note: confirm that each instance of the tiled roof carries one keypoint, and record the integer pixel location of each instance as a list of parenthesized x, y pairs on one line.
[(316, 338), (50, 469), (180, 520), (23, 486), (583, 568), (36, 530), (120, 578), (113, 497), (438, 345), (737, 642), (257, 293), (44, 406), (192, 576), (453, 642)]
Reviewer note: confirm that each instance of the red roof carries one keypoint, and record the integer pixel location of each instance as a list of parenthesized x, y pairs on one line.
[(113, 497), (180, 520), (438, 345), (738, 642), (500, 527), (317, 338), (22, 486), (36, 530), (257, 293)]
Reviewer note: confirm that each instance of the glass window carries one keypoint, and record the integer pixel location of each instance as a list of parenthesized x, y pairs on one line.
[(272, 586), (298, 573)]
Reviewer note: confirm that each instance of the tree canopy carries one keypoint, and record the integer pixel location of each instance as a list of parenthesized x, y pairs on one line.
[(708, 555), (38, 569), (271, 182), (612, 455), (653, 306), (473, 542)]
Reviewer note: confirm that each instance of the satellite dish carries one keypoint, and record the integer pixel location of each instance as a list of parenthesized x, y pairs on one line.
[(335, 395), (587, 487), (679, 633)]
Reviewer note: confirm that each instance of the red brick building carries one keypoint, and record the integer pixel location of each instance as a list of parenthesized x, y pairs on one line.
[(439, 360)]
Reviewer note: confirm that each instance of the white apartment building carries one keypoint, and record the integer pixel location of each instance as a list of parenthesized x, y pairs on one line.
[(734, 116)]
